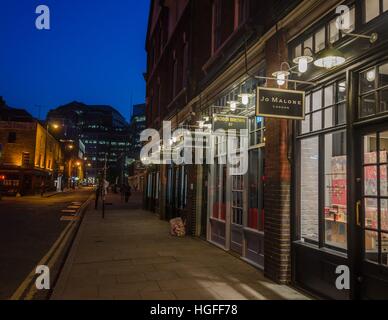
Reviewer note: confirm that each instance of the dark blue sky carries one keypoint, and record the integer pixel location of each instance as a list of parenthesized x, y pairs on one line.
[(94, 53)]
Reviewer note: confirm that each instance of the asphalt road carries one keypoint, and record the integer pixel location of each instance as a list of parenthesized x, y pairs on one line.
[(28, 229)]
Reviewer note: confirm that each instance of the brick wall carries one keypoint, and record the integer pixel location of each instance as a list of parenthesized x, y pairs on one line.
[(278, 180)]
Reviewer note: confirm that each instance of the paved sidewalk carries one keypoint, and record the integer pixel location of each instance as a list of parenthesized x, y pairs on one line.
[(130, 255)]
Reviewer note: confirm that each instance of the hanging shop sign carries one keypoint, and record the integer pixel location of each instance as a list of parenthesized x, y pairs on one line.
[(280, 103), (229, 122)]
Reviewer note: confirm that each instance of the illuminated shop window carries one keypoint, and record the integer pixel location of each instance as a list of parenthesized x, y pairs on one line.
[(323, 166)]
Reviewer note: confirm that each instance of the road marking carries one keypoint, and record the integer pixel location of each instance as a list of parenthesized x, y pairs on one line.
[(57, 250), (68, 218), (69, 211), (19, 292)]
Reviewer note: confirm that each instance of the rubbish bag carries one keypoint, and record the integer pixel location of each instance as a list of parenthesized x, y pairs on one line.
[(177, 227)]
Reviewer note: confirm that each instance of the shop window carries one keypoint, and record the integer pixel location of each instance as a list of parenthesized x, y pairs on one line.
[(238, 200), (373, 91), (309, 201), (256, 131), (336, 190)]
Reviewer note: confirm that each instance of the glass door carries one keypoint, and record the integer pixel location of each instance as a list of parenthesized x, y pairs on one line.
[(372, 214)]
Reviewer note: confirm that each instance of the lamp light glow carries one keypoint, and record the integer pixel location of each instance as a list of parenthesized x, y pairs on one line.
[(329, 58), (281, 77), (245, 98), (233, 105)]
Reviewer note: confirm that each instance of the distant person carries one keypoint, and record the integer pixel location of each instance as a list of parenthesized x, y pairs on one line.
[(127, 193), (42, 188), (98, 194)]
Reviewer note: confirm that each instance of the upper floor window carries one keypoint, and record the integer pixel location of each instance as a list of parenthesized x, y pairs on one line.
[(374, 8), (324, 36)]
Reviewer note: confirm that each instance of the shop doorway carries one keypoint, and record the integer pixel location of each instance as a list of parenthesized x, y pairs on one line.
[(372, 213)]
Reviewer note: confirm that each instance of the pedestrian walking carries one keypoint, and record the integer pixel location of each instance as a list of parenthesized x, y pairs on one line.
[(98, 194), (42, 188), (127, 193)]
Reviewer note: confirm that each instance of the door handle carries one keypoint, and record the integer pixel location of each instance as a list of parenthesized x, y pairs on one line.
[(358, 213)]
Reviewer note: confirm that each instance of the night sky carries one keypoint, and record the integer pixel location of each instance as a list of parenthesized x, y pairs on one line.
[(94, 53)]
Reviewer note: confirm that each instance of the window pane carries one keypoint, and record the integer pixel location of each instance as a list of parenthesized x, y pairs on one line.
[(317, 100), (368, 105), (334, 32), (372, 246), (367, 80), (317, 121), (384, 249), (298, 51), (320, 40), (384, 215), (352, 20), (383, 75), (329, 96), (308, 99), (341, 91), (309, 188), (329, 117), (385, 5), (341, 114), (383, 181), (370, 181), (309, 43), (336, 190), (306, 125), (372, 9), (371, 214), (370, 147)]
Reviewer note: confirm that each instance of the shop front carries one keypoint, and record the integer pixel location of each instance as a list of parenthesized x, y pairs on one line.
[(340, 200), (235, 202)]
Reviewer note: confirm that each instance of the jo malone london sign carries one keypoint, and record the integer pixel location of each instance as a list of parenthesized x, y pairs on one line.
[(280, 103)]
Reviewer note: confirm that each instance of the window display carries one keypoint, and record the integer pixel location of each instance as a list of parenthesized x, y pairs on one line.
[(336, 190)]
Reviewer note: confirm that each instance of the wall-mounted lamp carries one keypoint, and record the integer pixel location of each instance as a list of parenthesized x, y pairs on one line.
[(245, 98), (372, 38), (329, 58), (233, 105), (304, 60), (281, 77)]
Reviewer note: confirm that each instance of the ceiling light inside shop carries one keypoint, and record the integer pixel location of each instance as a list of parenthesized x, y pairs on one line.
[(371, 75), (329, 58)]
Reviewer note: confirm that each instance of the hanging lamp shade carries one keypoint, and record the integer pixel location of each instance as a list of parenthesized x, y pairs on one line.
[(329, 58)]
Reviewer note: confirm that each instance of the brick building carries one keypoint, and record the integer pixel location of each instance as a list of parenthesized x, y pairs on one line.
[(314, 197), (29, 154)]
